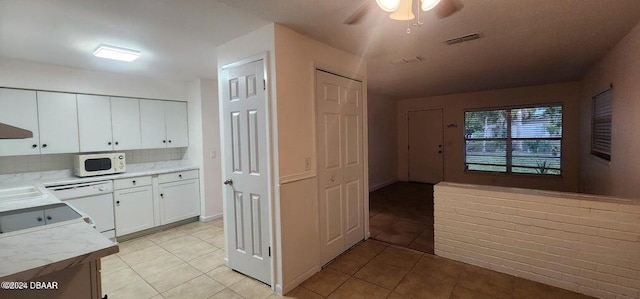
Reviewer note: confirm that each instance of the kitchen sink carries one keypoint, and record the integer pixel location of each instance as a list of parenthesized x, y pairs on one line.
[(19, 193)]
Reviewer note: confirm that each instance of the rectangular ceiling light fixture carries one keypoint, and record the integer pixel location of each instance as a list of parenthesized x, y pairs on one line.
[(116, 53)]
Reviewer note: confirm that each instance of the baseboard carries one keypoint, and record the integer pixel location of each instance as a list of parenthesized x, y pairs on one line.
[(278, 290), (300, 279), (383, 184), (210, 218)]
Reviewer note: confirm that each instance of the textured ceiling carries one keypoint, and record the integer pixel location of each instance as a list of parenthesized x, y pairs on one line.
[(178, 38), (525, 41)]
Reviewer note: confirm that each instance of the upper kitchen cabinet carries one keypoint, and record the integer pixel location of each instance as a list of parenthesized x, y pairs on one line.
[(19, 108), (125, 123), (164, 124), (94, 120), (108, 123), (58, 122)]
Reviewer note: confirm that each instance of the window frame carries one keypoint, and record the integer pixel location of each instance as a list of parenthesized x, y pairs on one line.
[(595, 152), (508, 139)]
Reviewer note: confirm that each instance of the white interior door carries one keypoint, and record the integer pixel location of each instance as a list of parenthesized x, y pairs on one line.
[(245, 124), (426, 151), (340, 164)]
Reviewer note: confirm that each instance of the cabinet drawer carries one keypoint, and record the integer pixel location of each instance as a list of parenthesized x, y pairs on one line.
[(178, 176), (131, 182)]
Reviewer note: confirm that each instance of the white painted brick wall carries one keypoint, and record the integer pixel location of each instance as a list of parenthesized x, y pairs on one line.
[(583, 243)]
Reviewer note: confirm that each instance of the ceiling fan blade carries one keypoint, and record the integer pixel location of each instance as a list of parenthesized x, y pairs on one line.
[(357, 16), (447, 8)]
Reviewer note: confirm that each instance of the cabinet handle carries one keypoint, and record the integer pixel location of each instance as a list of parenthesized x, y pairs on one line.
[(34, 146), (49, 218), (44, 145), (109, 143), (169, 141), (116, 143), (180, 176), (164, 141), (118, 202), (39, 219), (161, 195), (134, 182)]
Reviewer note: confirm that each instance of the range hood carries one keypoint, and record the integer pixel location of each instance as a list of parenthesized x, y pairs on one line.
[(11, 132)]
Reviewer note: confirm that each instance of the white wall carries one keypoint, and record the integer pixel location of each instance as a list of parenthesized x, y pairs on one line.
[(297, 57), (454, 105), (31, 75), (620, 67), (383, 141), (211, 173), (587, 244)]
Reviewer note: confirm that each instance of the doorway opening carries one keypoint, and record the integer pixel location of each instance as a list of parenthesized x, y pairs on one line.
[(402, 214)]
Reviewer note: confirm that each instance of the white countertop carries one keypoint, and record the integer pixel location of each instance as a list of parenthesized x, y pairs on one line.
[(31, 253)]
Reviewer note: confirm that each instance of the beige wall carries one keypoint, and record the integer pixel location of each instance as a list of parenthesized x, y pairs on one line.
[(454, 106), (383, 145), (296, 59), (620, 67)]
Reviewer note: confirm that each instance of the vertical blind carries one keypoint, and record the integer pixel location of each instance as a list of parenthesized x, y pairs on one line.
[(601, 125)]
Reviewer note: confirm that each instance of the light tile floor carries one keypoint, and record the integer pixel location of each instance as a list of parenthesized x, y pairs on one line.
[(182, 262), (187, 262)]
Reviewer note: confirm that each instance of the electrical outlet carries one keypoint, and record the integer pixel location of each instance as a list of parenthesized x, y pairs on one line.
[(213, 154), (307, 163)]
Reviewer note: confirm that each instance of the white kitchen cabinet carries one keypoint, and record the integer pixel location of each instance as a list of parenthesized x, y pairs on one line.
[(176, 124), (14, 222), (58, 122), (179, 200), (163, 124), (94, 122), (125, 123), (133, 209), (19, 108)]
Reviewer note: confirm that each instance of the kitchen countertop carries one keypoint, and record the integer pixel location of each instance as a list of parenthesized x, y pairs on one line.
[(25, 256), (32, 253), (61, 177)]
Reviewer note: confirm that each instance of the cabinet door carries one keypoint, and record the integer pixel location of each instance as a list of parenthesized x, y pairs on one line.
[(94, 122), (18, 108), (58, 122), (177, 127), (134, 210), (125, 122), (59, 214), (179, 200), (152, 124), (14, 222)]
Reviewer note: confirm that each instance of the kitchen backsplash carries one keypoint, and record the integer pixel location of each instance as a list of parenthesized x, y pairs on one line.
[(35, 163)]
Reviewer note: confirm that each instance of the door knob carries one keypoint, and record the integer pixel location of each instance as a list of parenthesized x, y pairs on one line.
[(228, 182)]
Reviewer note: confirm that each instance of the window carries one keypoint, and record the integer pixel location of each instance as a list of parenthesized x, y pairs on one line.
[(601, 125), (514, 140)]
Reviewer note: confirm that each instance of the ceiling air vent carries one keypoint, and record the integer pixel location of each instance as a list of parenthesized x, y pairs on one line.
[(462, 39), (408, 60)]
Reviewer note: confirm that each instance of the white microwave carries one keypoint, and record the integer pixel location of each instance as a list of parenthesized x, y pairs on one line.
[(99, 164)]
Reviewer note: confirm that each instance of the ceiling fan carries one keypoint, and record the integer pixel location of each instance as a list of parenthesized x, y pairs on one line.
[(403, 9)]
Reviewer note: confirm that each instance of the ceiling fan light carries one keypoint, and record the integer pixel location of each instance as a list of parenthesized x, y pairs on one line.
[(388, 5), (404, 11), (429, 4)]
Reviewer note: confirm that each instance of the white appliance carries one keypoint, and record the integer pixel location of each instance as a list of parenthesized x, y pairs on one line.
[(99, 164), (94, 199)]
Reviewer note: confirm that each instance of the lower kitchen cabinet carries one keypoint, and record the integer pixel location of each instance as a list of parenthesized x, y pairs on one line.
[(133, 209), (179, 200)]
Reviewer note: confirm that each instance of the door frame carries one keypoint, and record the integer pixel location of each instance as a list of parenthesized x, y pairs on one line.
[(272, 154), (444, 152), (365, 143)]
